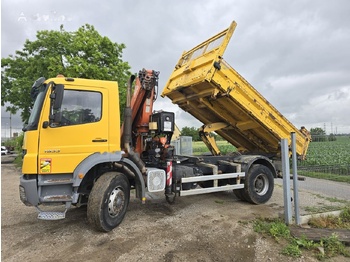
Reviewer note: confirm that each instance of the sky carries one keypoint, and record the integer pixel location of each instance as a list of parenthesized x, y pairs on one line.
[(295, 53)]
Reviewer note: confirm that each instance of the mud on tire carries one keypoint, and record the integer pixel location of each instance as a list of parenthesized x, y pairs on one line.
[(258, 185), (108, 201)]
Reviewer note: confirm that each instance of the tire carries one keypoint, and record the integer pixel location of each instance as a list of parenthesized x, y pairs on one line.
[(258, 185), (108, 201), (239, 193)]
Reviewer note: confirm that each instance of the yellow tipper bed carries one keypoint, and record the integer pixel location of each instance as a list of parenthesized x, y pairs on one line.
[(207, 87)]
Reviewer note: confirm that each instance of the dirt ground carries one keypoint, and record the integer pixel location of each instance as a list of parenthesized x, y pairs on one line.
[(196, 228)]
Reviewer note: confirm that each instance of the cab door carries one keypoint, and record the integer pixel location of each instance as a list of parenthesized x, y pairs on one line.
[(80, 130)]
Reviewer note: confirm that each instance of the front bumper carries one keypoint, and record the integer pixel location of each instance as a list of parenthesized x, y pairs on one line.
[(28, 191)]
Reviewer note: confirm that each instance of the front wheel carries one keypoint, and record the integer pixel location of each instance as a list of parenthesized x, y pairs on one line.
[(258, 185), (108, 201)]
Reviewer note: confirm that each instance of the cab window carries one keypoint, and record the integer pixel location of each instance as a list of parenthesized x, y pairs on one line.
[(81, 107)]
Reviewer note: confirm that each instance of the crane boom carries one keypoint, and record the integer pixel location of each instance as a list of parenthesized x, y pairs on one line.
[(141, 104)]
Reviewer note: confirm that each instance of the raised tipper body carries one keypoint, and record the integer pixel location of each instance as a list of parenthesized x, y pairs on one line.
[(206, 86)]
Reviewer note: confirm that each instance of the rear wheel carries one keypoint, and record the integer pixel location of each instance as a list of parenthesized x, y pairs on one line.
[(239, 193), (108, 201), (258, 185)]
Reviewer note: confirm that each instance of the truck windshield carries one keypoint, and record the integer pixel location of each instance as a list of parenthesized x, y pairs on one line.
[(38, 104)]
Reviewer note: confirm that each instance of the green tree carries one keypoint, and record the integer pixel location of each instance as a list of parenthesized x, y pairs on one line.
[(191, 131), (318, 134), (83, 53), (332, 137), (317, 131)]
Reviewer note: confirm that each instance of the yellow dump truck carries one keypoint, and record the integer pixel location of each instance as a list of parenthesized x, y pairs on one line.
[(76, 154)]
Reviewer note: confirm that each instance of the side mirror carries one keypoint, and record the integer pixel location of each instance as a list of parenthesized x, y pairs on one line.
[(57, 96), (56, 103)]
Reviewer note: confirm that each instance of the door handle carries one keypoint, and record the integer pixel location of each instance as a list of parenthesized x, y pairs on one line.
[(98, 140)]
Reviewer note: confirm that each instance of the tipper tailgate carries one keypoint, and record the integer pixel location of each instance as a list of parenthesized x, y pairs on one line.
[(207, 87)]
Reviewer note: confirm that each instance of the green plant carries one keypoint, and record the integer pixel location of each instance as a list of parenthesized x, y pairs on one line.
[(279, 229), (345, 215), (19, 142), (275, 228), (326, 248), (305, 243), (332, 247), (292, 250)]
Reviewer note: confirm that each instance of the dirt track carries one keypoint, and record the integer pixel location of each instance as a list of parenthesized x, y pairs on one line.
[(197, 228)]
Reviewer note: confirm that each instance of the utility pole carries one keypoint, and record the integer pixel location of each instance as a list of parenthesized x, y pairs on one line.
[(331, 128), (7, 125), (10, 125)]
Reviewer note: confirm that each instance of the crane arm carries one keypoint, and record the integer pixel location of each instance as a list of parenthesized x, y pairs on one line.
[(142, 101)]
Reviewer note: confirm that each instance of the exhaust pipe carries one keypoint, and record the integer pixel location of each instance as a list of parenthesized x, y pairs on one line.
[(127, 132)]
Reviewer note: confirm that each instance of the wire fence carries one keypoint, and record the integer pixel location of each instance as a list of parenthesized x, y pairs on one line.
[(326, 169)]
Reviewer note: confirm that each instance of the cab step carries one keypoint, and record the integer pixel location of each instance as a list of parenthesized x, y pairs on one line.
[(46, 215)]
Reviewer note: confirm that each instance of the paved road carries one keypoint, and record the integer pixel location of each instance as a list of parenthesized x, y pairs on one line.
[(323, 187)]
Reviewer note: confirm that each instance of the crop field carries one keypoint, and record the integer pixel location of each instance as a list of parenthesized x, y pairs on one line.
[(329, 153), (326, 159), (225, 147)]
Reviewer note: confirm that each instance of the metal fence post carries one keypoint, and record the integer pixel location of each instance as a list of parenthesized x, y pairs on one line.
[(295, 180), (286, 181)]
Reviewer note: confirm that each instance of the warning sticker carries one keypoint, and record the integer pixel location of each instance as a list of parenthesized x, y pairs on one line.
[(45, 165)]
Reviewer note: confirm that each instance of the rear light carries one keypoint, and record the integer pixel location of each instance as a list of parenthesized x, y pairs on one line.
[(155, 179)]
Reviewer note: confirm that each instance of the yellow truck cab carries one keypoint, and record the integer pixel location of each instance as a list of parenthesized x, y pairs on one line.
[(71, 138), (59, 149)]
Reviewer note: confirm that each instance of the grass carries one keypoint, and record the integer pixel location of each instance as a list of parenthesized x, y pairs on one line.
[(326, 248), (331, 221), (320, 175), (321, 209), (327, 208), (18, 161), (200, 148), (333, 199)]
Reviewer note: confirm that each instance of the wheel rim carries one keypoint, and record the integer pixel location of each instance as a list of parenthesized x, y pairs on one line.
[(116, 202), (261, 184)]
